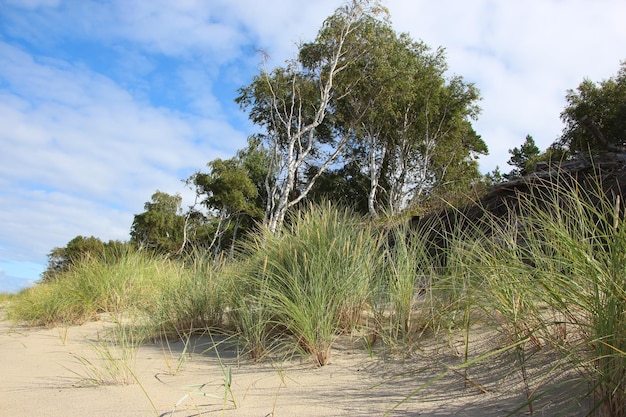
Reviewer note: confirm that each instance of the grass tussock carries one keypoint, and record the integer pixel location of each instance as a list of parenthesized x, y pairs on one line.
[(550, 278), (311, 281), (167, 296)]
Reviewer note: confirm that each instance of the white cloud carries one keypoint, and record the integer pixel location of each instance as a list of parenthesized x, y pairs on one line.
[(103, 102), (81, 155), (523, 56), (175, 28)]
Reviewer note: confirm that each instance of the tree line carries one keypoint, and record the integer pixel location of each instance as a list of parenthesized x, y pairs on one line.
[(363, 116)]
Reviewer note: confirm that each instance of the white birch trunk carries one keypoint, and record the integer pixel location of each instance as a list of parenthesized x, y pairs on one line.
[(301, 142)]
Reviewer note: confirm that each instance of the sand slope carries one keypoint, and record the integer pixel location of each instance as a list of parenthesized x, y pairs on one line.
[(42, 376)]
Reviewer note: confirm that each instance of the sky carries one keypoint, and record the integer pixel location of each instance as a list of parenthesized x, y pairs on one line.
[(103, 102)]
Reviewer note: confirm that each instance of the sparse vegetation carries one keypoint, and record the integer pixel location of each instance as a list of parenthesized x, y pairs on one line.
[(549, 279), (546, 272)]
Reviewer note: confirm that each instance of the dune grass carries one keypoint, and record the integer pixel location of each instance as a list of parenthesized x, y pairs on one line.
[(553, 276), (549, 278), (91, 287), (5, 297), (311, 281), (579, 257), (191, 295), (163, 295)]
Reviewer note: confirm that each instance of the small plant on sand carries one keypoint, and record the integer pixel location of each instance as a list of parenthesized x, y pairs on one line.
[(174, 361), (225, 385), (115, 352)]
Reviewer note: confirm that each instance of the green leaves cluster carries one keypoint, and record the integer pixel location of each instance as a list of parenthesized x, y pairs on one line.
[(77, 250), (160, 226), (591, 106), (364, 101)]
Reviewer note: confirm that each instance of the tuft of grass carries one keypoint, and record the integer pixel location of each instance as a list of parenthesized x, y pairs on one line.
[(554, 274), (115, 352), (506, 293), (312, 280), (581, 267), (6, 298), (191, 296), (252, 317), (93, 286)]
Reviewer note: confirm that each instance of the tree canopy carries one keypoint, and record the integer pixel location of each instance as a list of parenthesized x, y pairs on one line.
[(77, 250), (595, 115), (364, 101), (160, 226), (523, 159)]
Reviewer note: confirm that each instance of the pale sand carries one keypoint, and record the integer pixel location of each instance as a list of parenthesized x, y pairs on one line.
[(39, 378)]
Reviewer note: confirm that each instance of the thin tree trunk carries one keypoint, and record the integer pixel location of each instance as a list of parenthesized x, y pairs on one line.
[(300, 137), (232, 243)]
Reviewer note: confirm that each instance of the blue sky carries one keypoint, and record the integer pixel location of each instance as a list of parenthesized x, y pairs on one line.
[(104, 102)]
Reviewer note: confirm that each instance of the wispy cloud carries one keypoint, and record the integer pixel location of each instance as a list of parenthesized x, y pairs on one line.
[(81, 154), (523, 56), (103, 102)]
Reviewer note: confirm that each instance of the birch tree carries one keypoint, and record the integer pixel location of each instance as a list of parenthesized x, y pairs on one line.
[(415, 131), (296, 104)]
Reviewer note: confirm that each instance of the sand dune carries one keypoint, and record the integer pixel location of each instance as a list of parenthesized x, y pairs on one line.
[(45, 373)]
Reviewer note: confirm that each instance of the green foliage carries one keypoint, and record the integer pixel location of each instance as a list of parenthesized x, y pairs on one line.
[(604, 105), (228, 188), (78, 249), (160, 226), (494, 177), (230, 192), (410, 128), (523, 159), (255, 159), (346, 186)]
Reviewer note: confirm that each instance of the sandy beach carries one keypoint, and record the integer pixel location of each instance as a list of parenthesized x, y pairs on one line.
[(46, 372)]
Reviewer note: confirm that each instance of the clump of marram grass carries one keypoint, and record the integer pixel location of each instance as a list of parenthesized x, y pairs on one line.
[(554, 274), (115, 356), (166, 296), (192, 298), (408, 294), (252, 314), (311, 280), (579, 252), (90, 287), (504, 290)]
